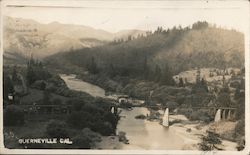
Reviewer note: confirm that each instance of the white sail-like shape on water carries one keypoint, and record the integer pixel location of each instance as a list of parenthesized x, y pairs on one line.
[(113, 110), (217, 115), (165, 120)]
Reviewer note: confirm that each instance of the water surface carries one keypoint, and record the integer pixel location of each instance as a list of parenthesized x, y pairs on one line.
[(79, 85), (142, 134)]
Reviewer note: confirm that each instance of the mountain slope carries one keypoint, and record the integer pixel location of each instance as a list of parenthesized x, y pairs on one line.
[(178, 48), (213, 47), (25, 36)]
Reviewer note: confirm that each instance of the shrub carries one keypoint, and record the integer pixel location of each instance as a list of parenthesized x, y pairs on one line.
[(187, 112), (80, 119), (240, 129), (92, 108), (104, 128), (57, 129), (57, 101), (109, 117), (200, 115), (98, 119), (171, 105), (210, 142), (76, 103), (174, 121), (86, 139), (141, 116), (13, 116)]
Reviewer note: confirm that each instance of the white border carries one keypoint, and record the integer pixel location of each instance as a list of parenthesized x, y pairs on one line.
[(134, 3)]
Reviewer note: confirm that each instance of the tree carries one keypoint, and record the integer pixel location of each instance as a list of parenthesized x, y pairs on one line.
[(167, 76), (8, 87), (111, 70), (92, 66), (13, 116), (232, 73), (43, 85), (242, 83), (109, 117), (157, 73), (76, 103), (159, 30), (14, 75), (210, 142), (240, 105), (145, 69), (30, 75), (204, 84), (224, 99), (57, 101), (129, 38), (181, 83), (237, 93), (200, 25), (46, 97), (200, 86), (57, 129), (86, 139)]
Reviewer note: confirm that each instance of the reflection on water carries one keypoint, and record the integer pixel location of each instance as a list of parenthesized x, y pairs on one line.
[(144, 134)]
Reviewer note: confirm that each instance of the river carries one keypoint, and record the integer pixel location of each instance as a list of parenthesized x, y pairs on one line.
[(79, 85), (143, 134)]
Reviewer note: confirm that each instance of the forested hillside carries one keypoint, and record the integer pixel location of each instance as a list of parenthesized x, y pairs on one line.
[(160, 54)]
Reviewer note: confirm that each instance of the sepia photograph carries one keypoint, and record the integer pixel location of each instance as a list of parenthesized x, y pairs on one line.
[(125, 75)]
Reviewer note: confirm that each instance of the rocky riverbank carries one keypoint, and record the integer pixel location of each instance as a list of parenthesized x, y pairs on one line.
[(189, 132)]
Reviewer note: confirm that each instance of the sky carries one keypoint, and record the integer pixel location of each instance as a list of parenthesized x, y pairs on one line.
[(114, 16)]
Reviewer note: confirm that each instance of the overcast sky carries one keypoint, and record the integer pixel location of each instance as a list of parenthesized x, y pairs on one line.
[(114, 16)]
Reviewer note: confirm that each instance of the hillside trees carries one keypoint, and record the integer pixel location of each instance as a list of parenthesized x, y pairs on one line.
[(97, 118), (13, 116), (145, 57), (36, 71), (167, 76), (8, 87), (200, 25), (92, 66)]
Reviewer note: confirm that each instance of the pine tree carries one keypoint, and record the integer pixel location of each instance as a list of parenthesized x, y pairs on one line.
[(30, 74), (237, 93), (111, 70), (92, 67), (157, 73), (14, 75), (145, 69), (204, 84), (46, 97), (167, 77)]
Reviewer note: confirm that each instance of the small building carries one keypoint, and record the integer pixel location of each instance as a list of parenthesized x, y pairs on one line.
[(123, 99)]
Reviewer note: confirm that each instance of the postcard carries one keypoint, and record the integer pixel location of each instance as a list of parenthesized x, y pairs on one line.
[(125, 77)]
